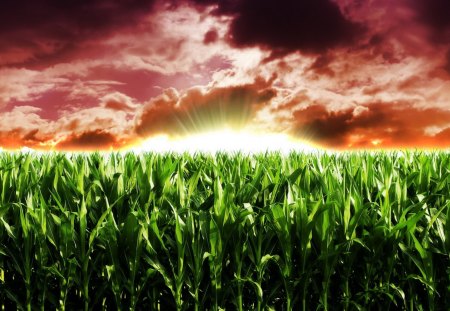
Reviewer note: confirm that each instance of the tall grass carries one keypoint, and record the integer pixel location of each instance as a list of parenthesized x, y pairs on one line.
[(159, 232)]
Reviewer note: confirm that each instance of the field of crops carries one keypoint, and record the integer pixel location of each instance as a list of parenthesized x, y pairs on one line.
[(236, 232)]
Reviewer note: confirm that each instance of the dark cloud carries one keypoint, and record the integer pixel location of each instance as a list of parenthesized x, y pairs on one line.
[(287, 25), (292, 25), (447, 62), (48, 30), (392, 124), (221, 6), (197, 111), (435, 13), (91, 140), (321, 65)]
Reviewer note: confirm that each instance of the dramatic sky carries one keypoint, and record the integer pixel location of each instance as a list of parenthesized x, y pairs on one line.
[(342, 74)]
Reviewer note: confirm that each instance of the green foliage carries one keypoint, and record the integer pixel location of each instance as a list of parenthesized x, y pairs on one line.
[(349, 231)]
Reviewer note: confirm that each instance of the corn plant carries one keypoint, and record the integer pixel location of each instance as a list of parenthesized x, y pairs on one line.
[(347, 231)]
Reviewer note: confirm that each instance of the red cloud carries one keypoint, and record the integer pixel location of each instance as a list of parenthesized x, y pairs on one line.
[(386, 125), (46, 32)]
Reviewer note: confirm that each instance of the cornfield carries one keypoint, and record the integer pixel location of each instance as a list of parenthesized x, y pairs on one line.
[(350, 231)]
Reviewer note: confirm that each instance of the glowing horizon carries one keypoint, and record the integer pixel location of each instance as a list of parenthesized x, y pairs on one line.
[(226, 140)]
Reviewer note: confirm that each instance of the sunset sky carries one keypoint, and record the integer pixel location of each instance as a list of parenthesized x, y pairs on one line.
[(341, 74)]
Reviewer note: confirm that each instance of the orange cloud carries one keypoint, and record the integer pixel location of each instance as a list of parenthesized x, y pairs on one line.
[(92, 140), (102, 127), (200, 109), (380, 125)]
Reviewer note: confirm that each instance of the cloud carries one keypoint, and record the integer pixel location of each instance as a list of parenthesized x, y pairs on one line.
[(21, 117), (286, 26), (16, 139), (199, 109), (171, 42), (387, 125), (118, 101), (48, 31), (92, 119), (108, 125), (91, 140), (23, 126), (310, 26), (12, 82), (24, 86), (434, 13), (211, 36)]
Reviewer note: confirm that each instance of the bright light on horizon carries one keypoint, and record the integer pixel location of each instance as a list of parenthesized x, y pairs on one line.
[(226, 141)]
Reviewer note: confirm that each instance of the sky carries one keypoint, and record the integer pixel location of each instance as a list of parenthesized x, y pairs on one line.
[(340, 74)]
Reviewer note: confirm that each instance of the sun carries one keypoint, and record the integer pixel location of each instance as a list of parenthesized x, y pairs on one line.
[(225, 140)]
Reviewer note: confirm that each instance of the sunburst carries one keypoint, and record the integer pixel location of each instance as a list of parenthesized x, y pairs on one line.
[(225, 140)]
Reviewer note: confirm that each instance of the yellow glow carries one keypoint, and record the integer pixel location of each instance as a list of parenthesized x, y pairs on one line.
[(376, 142), (224, 140)]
